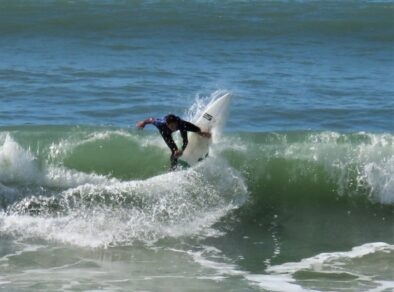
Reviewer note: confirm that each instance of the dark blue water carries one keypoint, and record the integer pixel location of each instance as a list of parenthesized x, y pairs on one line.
[(290, 65)]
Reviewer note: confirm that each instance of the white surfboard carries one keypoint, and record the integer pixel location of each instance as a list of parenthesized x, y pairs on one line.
[(213, 117)]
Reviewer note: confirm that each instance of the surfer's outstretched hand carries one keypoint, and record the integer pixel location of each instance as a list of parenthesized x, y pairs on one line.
[(140, 125), (205, 134)]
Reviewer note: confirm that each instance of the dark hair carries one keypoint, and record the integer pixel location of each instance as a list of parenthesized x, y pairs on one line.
[(171, 119)]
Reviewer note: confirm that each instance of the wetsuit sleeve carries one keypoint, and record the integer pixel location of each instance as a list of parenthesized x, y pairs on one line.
[(187, 126), (149, 121), (184, 138)]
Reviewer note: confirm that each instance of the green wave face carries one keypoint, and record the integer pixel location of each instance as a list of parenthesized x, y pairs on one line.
[(277, 164)]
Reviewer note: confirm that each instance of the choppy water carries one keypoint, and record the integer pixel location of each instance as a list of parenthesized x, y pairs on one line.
[(297, 194)]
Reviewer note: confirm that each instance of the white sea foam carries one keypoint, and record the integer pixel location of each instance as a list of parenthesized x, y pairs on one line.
[(281, 278), (16, 163), (333, 263), (277, 283), (19, 165), (221, 268), (318, 262), (372, 161), (182, 203), (97, 210)]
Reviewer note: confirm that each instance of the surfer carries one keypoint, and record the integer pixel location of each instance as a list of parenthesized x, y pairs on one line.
[(169, 124)]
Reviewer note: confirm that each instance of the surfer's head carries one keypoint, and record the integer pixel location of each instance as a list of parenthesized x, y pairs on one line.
[(172, 122)]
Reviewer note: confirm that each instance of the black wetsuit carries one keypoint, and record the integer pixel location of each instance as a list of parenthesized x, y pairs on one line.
[(166, 133)]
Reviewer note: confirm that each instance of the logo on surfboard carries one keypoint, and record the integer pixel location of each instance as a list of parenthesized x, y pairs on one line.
[(208, 117)]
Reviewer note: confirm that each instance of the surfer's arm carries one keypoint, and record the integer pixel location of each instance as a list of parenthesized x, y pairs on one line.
[(142, 124), (185, 140), (169, 141), (187, 126)]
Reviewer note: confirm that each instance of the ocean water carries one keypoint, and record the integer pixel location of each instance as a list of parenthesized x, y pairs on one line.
[(298, 191)]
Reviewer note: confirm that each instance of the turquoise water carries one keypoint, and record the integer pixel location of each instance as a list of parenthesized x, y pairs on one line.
[(296, 195)]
